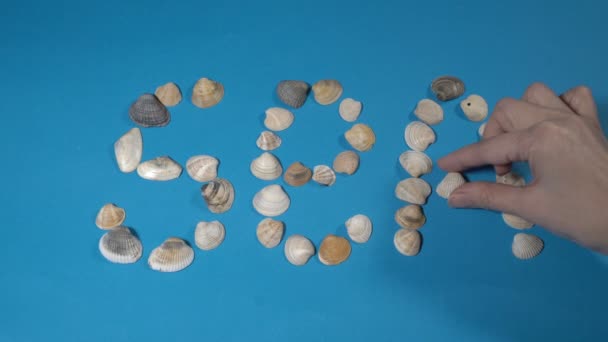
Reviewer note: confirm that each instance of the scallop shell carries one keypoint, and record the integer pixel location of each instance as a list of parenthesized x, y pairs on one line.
[(202, 168), (268, 141), (207, 93), (450, 182), (128, 150), (171, 256), (270, 232), (298, 250), (516, 221), (359, 228), (209, 235), (416, 163), (334, 250), (413, 190), (159, 169), (148, 111), (526, 246), (120, 246), (324, 175), (429, 111), (411, 217), (474, 107), (110, 216), (278, 119), (346, 162), (418, 136), (350, 109), (266, 167), (219, 195), (271, 201), (327, 91), (297, 174), (511, 178), (169, 94), (447, 88), (293, 93), (407, 241), (361, 137), (481, 129)]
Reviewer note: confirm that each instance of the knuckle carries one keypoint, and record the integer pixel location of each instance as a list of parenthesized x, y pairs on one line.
[(485, 196), (535, 91), (505, 104), (583, 91)]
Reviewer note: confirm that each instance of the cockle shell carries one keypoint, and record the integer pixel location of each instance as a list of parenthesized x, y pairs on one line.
[(511, 178), (207, 93), (350, 109), (447, 88), (219, 195), (266, 167), (268, 141), (209, 235), (202, 168), (110, 216), (334, 250), (361, 137), (516, 221), (418, 136), (270, 232), (148, 111), (359, 228), (324, 175), (171, 256), (159, 169), (416, 163), (411, 216), (293, 93), (429, 111), (327, 91), (407, 241), (271, 201), (120, 246), (278, 119), (128, 150), (450, 182), (474, 107), (298, 250), (526, 246), (169, 94), (297, 174), (346, 162), (413, 190), (481, 129)]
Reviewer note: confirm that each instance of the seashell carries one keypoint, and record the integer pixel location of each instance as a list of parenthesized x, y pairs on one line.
[(413, 190), (266, 167), (481, 129), (209, 235), (350, 109), (171, 256), (526, 246), (516, 221), (278, 119), (334, 250), (450, 182), (474, 107), (219, 195), (159, 169), (110, 216), (447, 88), (511, 178), (416, 163), (297, 174), (128, 150), (418, 136), (411, 217), (429, 111), (327, 91), (207, 93), (270, 232), (407, 241), (268, 141), (293, 93), (202, 168), (324, 175), (271, 201), (148, 111), (359, 228), (361, 137), (298, 250), (169, 94), (346, 162), (120, 246)]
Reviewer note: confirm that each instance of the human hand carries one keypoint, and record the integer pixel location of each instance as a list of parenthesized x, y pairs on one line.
[(561, 139)]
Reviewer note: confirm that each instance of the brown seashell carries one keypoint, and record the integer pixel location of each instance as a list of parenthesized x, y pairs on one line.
[(219, 195), (346, 162), (447, 88), (207, 93), (110, 216), (270, 232), (327, 91), (297, 174), (334, 250), (361, 137), (169, 94), (411, 216)]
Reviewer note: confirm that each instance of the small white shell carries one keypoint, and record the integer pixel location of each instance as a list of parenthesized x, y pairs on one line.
[(418, 136), (511, 178), (298, 250), (271, 201), (209, 235), (324, 175), (481, 129), (429, 111), (474, 107), (110, 216), (350, 109), (266, 167), (202, 168), (171, 256), (120, 246), (413, 190), (516, 221), (416, 163), (450, 182), (268, 141), (526, 246), (270, 232), (359, 228), (278, 119), (159, 169), (128, 150), (407, 241)]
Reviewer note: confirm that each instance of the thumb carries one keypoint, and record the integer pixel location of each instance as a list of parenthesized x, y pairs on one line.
[(493, 196)]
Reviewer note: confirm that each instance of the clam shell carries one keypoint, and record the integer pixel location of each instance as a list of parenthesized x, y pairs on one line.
[(270, 232), (266, 167), (297, 174), (207, 93), (418, 136), (416, 163), (159, 169), (407, 241), (293, 93), (278, 119), (271, 201), (450, 182), (481, 129), (429, 111), (171, 256), (268, 141), (202, 168), (511, 178), (526, 246), (411, 217), (361, 137), (128, 150), (474, 107), (110, 216), (324, 175), (169, 94), (148, 111), (359, 228), (209, 235), (346, 162), (327, 91), (334, 250), (447, 88), (350, 109), (219, 195), (298, 250), (516, 221), (413, 190), (120, 246)]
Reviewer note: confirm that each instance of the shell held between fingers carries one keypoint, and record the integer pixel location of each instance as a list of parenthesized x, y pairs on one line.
[(418, 136), (413, 190), (293, 93), (447, 88), (451, 182), (218, 195), (327, 92), (173, 255), (516, 221), (207, 93), (298, 250), (128, 150)]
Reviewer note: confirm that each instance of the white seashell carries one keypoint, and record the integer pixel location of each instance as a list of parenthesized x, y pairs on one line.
[(429, 111), (128, 150), (350, 109), (481, 129), (271, 201), (298, 250), (327, 91), (120, 246), (416, 163), (418, 136), (450, 182), (202, 168), (159, 169), (169, 94), (516, 221), (407, 241), (268, 141), (411, 216), (511, 178), (413, 190), (209, 235), (278, 119), (474, 107), (171, 256), (219, 195), (270, 232), (324, 175), (266, 167), (361, 137), (110, 216), (526, 246), (359, 228)]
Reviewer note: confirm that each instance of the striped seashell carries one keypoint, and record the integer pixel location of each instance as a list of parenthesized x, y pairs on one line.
[(207, 93), (297, 174), (270, 232), (411, 217), (148, 111), (120, 246), (327, 92), (324, 175), (278, 119), (359, 228), (159, 169), (447, 88), (526, 246), (110, 216), (450, 182), (266, 167), (298, 250), (407, 241), (202, 168), (209, 235), (413, 190), (219, 195), (361, 137), (418, 136), (268, 141), (416, 163), (271, 201), (173, 255)]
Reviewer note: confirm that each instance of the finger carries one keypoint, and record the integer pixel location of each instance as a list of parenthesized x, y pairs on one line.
[(541, 95), (580, 100), (493, 196)]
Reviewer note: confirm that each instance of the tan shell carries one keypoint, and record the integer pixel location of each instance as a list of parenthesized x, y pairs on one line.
[(407, 241), (359, 228), (481, 129), (159, 169), (511, 178), (120, 246), (334, 250), (202, 168), (416, 163), (169, 94), (350, 109), (429, 111), (516, 221), (270, 232), (327, 91), (474, 107), (207, 93), (268, 141), (324, 175), (110, 216), (271, 201), (298, 250), (413, 190), (219, 195), (450, 182), (418, 136), (266, 167), (361, 137), (173, 255), (128, 150), (209, 235), (411, 216), (346, 162), (278, 119), (297, 174), (526, 246)]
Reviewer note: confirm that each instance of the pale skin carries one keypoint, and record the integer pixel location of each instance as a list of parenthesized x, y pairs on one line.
[(561, 139)]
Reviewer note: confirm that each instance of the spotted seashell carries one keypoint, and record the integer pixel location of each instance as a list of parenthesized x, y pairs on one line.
[(293, 93), (346, 162), (511, 178), (202, 168), (120, 246), (359, 228), (350, 109), (266, 167), (361, 137), (413, 190), (429, 112), (207, 93), (327, 91), (159, 169), (209, 235), (526, 246), (298, 250), (334, 250), (416, 163), (128, 150), (169, 94), (270, 232), (268, 141), (173, 255), (447, 88), (148, 111), (297, 174), (271, 201), (516, 221), (219, 195), (324, 175), (407, 241), (110, 216), (411, 217), (278, 119), (474, 107), (450, 182), (418, 136)]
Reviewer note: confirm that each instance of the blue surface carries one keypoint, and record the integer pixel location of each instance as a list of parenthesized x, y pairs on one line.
[(71, 69)]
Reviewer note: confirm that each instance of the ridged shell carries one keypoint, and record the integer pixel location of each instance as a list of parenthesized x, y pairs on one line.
[(128, 150), (418, 136), (361, 137), (293, 93), (516, 221), (511, 178), (474, 107), (324, 175), (416, 163), (148, 111), (413, 190), (346, 162), (209, 235), (526, 246), (298, 250), (120, 246), (297, 174), (159, 169), (268, 141), (207, 93), (110, 216), (359, 228), (270, 232), (169, 94), (481, 129), (407, 241), (278, 119), (266, 167), (219, 195), (173, 255), (450, 182), (327, 91), (447, 88), (350, 109), (202, 168), (334, 250), (271, 201), (429, 111), (411, 217)]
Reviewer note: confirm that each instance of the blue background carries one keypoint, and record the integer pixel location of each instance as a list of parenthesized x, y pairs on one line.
[(70, 70)]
